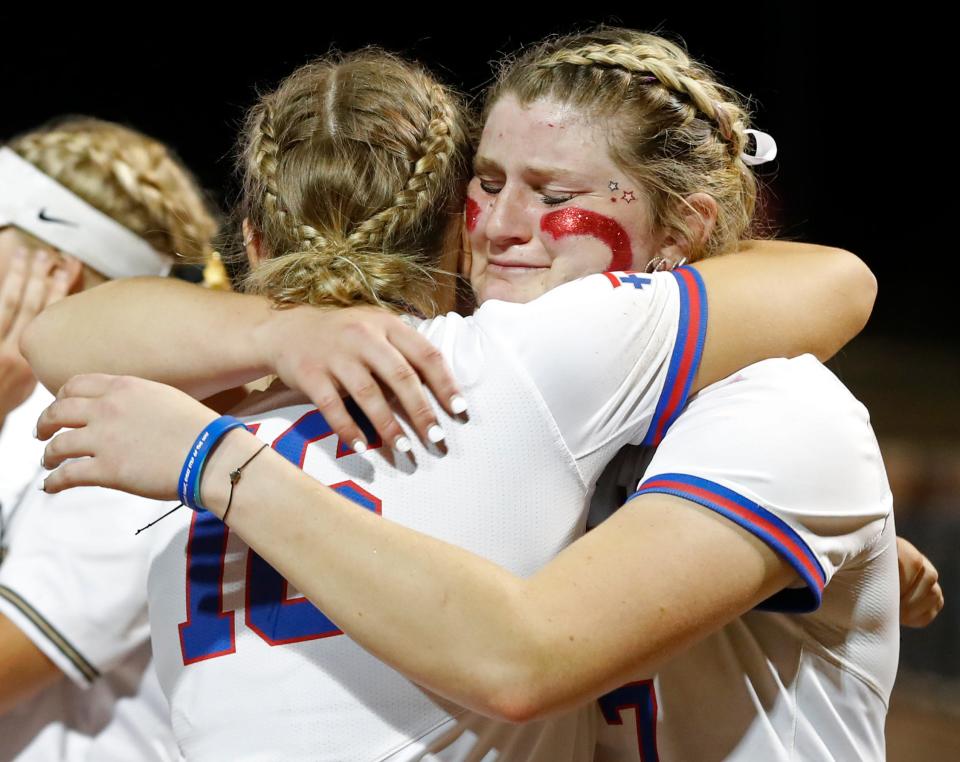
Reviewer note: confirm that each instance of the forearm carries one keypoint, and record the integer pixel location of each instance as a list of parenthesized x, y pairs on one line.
[(448, 619), (157, 328), (781, 299), (512, 648), (24, 669)]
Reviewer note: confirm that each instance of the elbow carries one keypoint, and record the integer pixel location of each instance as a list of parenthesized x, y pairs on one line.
[(516, 702), (858, 289), (548, 685), (523, 684), (32, 343), (852, 293), (29, 340), (519, 666)]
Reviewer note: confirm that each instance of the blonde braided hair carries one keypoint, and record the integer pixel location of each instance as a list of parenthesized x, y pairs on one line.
[(354, 169), (672, 126), (128, 176)]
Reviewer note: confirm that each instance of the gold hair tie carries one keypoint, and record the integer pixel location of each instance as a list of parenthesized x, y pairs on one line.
[(215, 274)]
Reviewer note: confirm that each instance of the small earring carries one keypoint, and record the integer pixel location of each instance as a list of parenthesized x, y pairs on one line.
[(659, 264)]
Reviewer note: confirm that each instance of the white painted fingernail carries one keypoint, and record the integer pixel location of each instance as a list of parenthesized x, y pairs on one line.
[(458, 404), (435, 434), (43, 486), (402, 444), (359, 447), (41, 461), (35, 435)]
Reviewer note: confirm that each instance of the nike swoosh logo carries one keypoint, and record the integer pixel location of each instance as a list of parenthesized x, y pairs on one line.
[(43, 216)]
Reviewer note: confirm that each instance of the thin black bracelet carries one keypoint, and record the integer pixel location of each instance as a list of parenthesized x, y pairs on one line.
[(235, 477)]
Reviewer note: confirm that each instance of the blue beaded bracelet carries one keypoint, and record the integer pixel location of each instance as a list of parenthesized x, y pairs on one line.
[(189, 484)]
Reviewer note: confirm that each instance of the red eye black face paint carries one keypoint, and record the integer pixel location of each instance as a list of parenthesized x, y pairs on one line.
[(573, 221), (473, 214)]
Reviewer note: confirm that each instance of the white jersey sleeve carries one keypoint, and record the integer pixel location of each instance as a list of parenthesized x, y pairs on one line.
[(786, 452), (613, 355), (74, 579)]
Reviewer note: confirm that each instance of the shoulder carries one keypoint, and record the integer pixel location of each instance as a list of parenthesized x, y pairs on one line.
[(793, 422)]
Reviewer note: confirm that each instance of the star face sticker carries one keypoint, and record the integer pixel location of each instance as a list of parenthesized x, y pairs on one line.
[(613, 185), (628, 196)]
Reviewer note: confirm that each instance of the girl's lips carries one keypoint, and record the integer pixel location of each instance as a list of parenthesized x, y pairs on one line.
[(510, 268)]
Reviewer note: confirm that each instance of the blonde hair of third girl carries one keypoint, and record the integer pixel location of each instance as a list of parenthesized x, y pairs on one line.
[(128, 176)]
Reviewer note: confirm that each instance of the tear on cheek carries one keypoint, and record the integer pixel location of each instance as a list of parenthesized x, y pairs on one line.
[(472, 212), (580, 222)]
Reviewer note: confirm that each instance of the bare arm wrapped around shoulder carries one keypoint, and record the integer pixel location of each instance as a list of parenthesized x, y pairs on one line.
[(166, 330), (782, 299)]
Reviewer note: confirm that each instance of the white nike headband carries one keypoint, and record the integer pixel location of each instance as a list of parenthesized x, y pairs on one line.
[(38, 204)]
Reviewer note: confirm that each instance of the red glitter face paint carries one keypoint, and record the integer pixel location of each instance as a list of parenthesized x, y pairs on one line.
[(472, 209), (573, 221)]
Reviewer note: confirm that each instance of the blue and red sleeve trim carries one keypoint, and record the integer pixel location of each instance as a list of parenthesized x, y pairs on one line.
[(686, 353), (758, 521)]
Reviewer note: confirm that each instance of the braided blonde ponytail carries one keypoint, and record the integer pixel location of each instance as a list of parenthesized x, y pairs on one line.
[(128, 176), (673, 127), (354, 169)]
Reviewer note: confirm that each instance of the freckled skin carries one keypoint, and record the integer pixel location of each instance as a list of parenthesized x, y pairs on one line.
[(581, 222)]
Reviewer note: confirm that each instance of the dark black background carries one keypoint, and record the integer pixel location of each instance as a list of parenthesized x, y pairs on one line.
[(859, 103)]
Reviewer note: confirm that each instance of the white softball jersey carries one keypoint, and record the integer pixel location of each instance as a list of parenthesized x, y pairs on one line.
[(253, 671), (783, 450)]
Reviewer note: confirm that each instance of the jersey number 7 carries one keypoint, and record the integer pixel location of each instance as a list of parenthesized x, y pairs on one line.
[(642, 698), (209, 631)]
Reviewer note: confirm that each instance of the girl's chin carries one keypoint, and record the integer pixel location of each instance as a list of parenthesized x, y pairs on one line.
[(508, 291)]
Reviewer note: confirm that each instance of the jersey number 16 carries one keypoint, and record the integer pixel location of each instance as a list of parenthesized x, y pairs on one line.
[(269, 612)]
